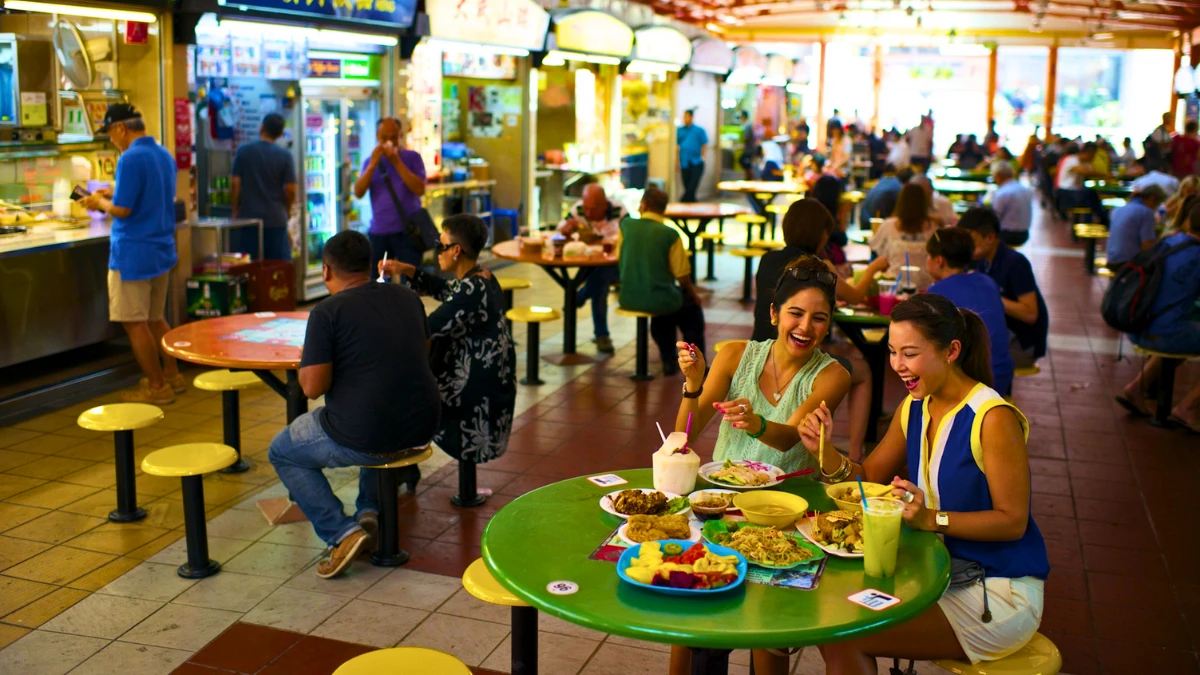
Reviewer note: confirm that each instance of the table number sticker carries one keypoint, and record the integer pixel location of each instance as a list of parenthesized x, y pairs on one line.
[(607, 480), (562, 587), (264, 315), (873, 599), (181, 344)]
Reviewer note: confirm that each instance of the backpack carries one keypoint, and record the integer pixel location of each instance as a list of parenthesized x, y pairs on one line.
[(1128, 302)]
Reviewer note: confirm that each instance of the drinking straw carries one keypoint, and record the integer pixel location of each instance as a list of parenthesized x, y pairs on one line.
[(687, 431), (660, 433), (821, 453), (381, 279), (862, 493)]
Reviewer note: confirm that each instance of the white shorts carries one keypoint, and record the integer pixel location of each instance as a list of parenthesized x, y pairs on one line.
[(1016, 606)]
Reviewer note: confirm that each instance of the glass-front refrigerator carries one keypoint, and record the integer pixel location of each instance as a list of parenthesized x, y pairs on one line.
[(339, 129)]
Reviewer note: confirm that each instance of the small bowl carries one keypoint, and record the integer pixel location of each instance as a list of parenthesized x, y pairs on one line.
[(840, 488), (771, 507), (711, 512)]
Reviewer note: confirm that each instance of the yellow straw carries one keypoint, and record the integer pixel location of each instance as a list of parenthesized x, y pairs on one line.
[(821, 459)]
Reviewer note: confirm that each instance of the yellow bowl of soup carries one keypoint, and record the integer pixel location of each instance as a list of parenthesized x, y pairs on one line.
[(770, 507), (847, 496)]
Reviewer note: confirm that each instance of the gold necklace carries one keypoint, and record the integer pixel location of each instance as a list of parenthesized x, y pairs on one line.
[(775, 373)]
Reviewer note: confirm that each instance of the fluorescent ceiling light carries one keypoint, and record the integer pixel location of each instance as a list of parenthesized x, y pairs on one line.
[(714, 28), (653, 67), (337, 82), (557, 55), (210, 25), (797, 87), (553, 60), (1102, 36), (351, 39), (477, 49), (774, 81), (710, 69), (745, 76), (92, 12), (964, 50)]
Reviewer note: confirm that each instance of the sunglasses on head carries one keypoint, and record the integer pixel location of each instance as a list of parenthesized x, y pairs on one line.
[(822, 277), (442, 248)]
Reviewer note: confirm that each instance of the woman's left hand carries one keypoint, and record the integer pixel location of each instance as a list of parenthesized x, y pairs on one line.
[(915, 514), (740, 413)]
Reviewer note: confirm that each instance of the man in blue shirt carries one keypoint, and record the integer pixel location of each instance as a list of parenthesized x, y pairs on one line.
[(1013, 204), (141, 248), (881, 199), (1024, 309), (264, 187), (1131, 228), (693, 143)]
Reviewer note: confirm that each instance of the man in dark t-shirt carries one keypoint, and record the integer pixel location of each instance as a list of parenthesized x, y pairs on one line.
[(264, 187), (366, 352)]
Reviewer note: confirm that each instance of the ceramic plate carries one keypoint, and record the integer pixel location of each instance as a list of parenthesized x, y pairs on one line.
[(773, 472), (805, 525), (632, 552), (713, 527), (606, 502), (693, 525)]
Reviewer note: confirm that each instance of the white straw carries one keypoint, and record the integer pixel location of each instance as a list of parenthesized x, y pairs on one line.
[(660, 433), (381, 279)]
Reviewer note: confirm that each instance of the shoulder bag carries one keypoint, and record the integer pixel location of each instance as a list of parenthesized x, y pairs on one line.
[(418, 225)]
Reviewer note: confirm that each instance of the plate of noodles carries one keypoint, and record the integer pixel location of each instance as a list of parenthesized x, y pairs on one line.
[(741, 474), (763, 546)]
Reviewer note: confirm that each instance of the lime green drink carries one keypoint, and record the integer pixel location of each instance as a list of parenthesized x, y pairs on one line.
[(881, 536)]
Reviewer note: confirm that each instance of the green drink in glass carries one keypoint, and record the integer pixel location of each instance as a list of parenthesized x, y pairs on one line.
[(881, 536)]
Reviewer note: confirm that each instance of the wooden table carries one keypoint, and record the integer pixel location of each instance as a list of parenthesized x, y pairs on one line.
[(753, 188), (204, 342), (560, 270), (701, 213), (852, 322)]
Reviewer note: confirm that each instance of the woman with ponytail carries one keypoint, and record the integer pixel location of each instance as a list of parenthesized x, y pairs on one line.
[(963, 447)]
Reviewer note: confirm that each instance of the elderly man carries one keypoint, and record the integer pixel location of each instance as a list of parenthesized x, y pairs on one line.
[(394, 176), (1133, 226), (941, 211), (595, 218), (1013, 204)]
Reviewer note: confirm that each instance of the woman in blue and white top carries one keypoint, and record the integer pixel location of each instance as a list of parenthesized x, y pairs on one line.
[(964, 448)]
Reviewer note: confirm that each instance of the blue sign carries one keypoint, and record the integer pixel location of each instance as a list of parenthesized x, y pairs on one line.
[(398, 13)]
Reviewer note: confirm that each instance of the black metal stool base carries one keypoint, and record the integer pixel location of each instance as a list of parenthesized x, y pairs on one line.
[(240, 466), (479, 500), (533, 383), (524, 657), (642, 367), (392, 560), (188, 572), (119, 516)]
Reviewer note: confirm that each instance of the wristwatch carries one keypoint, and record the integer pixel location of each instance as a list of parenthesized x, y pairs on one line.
[(942, 520), (695, 394)]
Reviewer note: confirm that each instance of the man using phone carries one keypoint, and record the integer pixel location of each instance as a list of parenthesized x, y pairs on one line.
[(395, 178), (141, 248)]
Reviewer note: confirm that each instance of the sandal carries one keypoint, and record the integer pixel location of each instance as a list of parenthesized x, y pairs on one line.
[(1177, 420), (1132, 407)]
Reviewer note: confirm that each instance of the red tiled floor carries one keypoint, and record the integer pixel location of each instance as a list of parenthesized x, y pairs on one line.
[(246, 648), (314, 656)]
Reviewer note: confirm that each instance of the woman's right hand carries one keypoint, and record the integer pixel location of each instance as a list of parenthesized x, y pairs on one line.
[(692, 367), (395, 268), (810, 429), (877, 265)]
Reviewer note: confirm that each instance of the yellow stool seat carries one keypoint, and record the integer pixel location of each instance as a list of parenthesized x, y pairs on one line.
[(406, 660), (1080, 210), (746, 252), (479, 582), (120, 417), (226, 380), (1150, 352), (749, 218), (715, 236), (513, 283), (778, 208), (1091, 232), (633, 313), (189, 459), (768, 244), (724, 343), (1105, 272), (415, 458), (1038, 657), (533, 314), (1028, 371), (853, 197), (874, 335)]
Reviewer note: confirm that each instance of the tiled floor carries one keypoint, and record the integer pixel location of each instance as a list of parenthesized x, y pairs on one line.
[(80, 594)]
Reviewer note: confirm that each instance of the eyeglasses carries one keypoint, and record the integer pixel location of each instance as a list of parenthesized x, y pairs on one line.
[(823, 277), (442, 248)]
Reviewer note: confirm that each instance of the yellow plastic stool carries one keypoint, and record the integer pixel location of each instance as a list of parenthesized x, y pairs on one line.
[(778, 209), (190, 462), (723, 343), (507, 286), (389, 553), (1028, 371), (711, 241), (749, 254), (479, 582), (1038, 657), (751, 220), (642, 362), (534, 316), (874, 335), (767, 244), (406, 660), (122, 419), (229, 383)]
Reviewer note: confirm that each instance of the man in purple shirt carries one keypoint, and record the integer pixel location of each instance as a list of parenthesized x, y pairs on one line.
[(395, 177)]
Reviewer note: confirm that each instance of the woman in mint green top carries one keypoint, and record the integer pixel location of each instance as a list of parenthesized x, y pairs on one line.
[(764, 389)]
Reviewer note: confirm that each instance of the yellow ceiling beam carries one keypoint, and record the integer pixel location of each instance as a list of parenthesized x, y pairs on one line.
[(1122, 40)]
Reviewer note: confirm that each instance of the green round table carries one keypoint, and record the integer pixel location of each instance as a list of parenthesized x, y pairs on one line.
[(959, 187), (1110, 188), (548, 535)]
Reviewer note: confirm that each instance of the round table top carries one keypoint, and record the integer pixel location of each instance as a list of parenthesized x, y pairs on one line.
[(770, 186), (201, 342), (1110, 187), (959, 186), (704, 210), (548, 535), (858, 315), (511, 250)]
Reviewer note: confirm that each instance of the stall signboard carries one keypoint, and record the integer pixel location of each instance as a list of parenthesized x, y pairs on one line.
[(391, 13), (479, 64), (779, 70), (710, 55), (500, 23), (589, 31), (662, 44), (749, 58), (327, 65)]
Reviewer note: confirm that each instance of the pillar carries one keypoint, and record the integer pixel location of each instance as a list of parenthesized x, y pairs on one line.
[(1051, 88), (991, 90), (821, 140), (878, 85)]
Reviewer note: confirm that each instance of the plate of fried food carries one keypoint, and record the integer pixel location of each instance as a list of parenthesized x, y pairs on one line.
[(741, 474), (644, 502), (838, 533), (763, 546), (638, 529)]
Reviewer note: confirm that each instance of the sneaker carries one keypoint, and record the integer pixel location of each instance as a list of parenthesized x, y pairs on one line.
[(178, 384), (145, 394), (343, 554), (605, 345)]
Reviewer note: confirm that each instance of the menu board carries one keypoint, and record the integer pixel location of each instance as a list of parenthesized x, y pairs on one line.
[(214, 57), (479, 64), (247, 57), (284, 59), (272, 59)]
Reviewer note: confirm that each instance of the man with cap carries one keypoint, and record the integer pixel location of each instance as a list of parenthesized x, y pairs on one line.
[(1131, 227), (141, 248)]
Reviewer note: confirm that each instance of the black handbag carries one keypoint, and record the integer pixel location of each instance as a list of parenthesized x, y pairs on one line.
[(418, 225)]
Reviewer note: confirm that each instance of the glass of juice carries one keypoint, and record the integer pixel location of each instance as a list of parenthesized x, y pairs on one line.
[(881, 536)]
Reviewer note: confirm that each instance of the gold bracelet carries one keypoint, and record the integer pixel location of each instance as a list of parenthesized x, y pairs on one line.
[(833, 477), (847, 469)]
